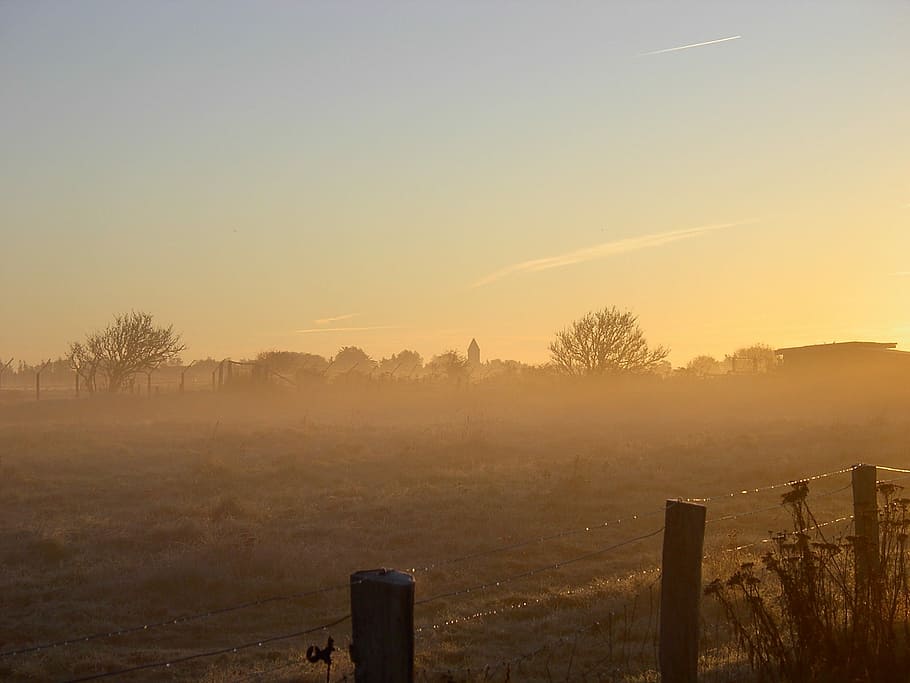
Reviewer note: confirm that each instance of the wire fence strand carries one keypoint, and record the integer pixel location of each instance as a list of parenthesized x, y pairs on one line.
[(167, 663), (175, 621), (538, 570), (489, 584)]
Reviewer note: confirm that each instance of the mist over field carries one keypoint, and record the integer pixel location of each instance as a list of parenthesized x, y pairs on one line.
[(454, 342), (125, 510)]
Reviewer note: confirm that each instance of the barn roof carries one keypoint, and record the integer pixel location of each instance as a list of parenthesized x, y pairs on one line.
[(844, 346)]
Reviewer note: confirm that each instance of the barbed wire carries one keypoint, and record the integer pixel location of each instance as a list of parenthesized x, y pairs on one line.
[(773, 508), (770, 487), (789, 533), (469, 556), (626, 520), (167, 663), (526, 656), (745, 513), (529, 602), (538, 570), (899, 470), (175, 621), (535, 541)]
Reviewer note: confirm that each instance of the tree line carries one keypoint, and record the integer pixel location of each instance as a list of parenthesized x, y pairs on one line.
[(607, 342)]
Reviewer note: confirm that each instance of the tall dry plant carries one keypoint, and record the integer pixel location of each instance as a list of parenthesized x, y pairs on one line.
[(801, 615)]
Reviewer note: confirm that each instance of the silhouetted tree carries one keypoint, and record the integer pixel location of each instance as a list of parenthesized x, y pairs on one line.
[(450, 365), (293, 362), (496, 366), (85, 364), (755, 358), (131, 344), (605, 342), (701, 366), (402, 364), (352, 359)]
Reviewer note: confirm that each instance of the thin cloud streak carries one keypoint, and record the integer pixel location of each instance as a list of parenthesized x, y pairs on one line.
[(604, 250), (314, 330), (328, 321), (688, 47)]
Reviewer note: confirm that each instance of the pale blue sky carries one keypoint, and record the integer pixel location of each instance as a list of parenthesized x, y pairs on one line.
[(243, 169)]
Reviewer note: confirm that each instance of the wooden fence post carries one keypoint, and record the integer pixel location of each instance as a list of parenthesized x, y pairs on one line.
[(382, 626), (865, 521), (680, 591), (38, 386)]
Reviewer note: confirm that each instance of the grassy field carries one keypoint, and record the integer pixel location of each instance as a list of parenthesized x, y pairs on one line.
[(125, 512)]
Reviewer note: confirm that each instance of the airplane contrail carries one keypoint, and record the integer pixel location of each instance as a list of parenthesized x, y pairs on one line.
[(335, 319), (603, 250), (686, 47), (313, 330)]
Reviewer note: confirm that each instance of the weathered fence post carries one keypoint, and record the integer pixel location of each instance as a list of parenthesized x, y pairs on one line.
[(680, 591), (865, 521), (38, 386), (382, 626), (77, 385)]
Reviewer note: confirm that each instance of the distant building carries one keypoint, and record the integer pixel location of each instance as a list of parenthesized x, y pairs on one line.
[(474, 353), (844, 358)]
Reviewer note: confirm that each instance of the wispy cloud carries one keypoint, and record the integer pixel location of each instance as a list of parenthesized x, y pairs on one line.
[(604, 250), (690, 46), (314, 330), (901, 273), (335, 319)]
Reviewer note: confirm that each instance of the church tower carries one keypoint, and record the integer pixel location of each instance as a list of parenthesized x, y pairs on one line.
[(474, 353)]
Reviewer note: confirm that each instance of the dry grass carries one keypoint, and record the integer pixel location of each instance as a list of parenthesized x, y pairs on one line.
[(117, 513)]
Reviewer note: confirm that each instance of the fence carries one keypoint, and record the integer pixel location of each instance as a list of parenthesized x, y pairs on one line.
[(46, 382), (385, 636)]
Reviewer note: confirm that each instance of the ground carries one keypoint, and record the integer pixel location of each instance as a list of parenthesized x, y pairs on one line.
[(129, 512)]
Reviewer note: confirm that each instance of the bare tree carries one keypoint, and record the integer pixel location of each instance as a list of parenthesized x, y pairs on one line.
[(85, 365), (129, 345), (605, 342)]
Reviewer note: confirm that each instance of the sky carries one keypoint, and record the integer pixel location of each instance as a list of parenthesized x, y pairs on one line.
[(303, 176)]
